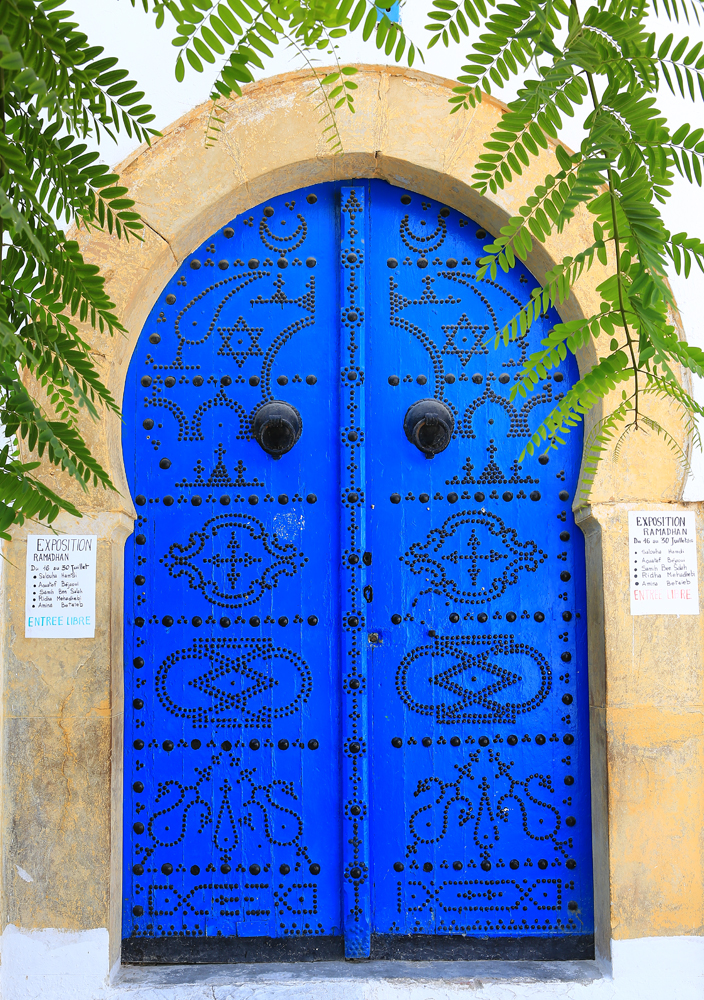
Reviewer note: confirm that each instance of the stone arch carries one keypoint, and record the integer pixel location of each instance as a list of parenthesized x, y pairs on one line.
[(271, 144)]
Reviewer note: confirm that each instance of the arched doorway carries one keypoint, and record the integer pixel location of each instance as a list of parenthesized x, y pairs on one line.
[(356, 677)]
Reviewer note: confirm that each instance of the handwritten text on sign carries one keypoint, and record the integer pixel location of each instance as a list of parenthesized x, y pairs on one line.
[(60, 586), (663, 563)]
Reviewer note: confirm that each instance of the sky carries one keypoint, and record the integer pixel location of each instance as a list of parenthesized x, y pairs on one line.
[(148, 54)]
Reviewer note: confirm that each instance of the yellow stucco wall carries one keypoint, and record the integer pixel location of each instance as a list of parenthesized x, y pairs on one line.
[(647, 728), (62, 701)]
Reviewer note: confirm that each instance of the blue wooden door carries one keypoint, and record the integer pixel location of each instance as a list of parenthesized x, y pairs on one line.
[(478, 709), (355, 659)]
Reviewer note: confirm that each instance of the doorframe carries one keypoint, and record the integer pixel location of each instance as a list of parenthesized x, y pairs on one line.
[(271, 144)]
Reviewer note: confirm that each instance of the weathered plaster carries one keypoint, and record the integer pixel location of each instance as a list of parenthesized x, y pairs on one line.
[(647, 731), (62, 750), (61, 747)]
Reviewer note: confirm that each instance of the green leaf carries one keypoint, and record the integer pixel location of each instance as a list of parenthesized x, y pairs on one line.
[(665, 47), (202, 49), (222, 30), (240, 11), (357, 15), (12, 61), (195, 61), (679, 49), (369, 24)]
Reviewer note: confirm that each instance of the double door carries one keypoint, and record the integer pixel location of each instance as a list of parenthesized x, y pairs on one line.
[(355, 663)]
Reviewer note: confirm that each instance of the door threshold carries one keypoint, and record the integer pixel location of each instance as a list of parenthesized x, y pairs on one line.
[(458, 972)]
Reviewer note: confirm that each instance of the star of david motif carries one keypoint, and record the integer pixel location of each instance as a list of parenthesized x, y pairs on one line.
[(459, 330), (245, 337), (493, 552)]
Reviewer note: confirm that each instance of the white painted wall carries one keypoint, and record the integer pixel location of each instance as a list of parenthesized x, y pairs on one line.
[(51, 964), (64, 965), (130, 34)]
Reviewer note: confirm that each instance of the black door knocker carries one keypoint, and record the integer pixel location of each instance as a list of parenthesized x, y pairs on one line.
[(429, 425), (276, 426)]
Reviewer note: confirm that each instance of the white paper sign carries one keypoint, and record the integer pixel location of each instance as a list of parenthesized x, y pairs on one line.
[(60, 587), (663, 557)]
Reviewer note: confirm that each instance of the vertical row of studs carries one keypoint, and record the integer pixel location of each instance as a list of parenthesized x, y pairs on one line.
[(356, 902)]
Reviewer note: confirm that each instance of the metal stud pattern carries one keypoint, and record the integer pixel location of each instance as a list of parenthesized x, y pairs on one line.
[(479, 767), (354, 644), (356, 674), (232, 741)]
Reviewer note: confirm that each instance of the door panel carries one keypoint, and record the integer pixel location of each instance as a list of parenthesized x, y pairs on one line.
[(478, 611), (355, 677), (232, 747)]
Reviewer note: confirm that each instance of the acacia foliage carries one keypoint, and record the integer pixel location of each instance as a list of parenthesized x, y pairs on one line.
[(604, 64), (56, 92), (237, 37), (601, 63)]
